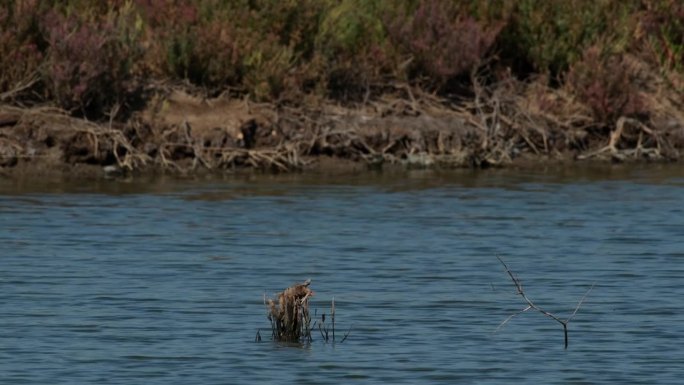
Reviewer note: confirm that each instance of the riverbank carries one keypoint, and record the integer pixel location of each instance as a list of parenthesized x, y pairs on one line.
[(182, 134), (127, 87)]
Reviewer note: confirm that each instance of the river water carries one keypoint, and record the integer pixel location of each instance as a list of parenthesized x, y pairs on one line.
[(162, 281)]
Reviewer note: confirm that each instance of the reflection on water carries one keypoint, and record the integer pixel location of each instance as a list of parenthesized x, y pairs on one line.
[(161, 281)]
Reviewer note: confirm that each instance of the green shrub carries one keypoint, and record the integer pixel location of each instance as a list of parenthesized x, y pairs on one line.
[(90, 53), (661, 31), (352, 48), (185, 41), (552, 35), (278, 63)]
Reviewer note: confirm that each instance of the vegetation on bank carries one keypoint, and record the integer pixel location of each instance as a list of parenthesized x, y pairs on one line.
[(587, 65)]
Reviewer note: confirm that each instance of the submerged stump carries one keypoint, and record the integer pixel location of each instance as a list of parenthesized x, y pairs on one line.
[(289, 316)]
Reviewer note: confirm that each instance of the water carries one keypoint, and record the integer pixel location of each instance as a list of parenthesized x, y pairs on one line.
[(162, 282)]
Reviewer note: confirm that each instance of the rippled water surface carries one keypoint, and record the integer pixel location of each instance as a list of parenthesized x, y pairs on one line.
[(162, 282)]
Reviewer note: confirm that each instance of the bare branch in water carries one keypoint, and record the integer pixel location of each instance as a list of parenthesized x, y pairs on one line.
[(332, 315), (580, 302), (531, 305), (510, 317), (347, 334)]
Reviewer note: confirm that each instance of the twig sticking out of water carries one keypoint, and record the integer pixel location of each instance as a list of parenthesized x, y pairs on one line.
[(326, 331), (323, 327), (346, 334), (531, 305)]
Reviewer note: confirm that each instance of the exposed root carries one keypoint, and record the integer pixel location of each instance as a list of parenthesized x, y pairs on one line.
[(31, 134), (632, 139), (501, 122)]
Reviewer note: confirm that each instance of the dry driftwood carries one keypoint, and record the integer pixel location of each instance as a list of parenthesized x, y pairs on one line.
[(647, 143)]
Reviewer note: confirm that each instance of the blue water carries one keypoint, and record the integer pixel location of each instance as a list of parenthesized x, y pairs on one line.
[(162, 281)]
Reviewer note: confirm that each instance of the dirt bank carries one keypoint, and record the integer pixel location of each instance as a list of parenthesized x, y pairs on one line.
[(185, 134), (425, 83)]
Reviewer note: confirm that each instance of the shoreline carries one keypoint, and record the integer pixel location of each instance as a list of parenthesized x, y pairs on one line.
[(181, 134), (139, 87)]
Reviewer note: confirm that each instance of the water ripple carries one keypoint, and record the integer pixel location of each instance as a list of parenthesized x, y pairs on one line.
[(164, 285)]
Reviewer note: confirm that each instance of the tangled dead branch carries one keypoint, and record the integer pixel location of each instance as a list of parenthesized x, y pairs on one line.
[(22, 86), (532, 306), (289, 316), (501, 122), (76, 138), (30, 134), (632, 139), (291, 320)]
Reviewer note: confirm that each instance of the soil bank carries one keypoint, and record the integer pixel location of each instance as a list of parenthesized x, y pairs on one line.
[(184, 134)]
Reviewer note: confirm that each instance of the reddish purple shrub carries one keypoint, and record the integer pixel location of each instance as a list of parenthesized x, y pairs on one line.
[(159, 13), (608, 85), (661, 32), (443, 41), (20, 54), (89, 61)]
